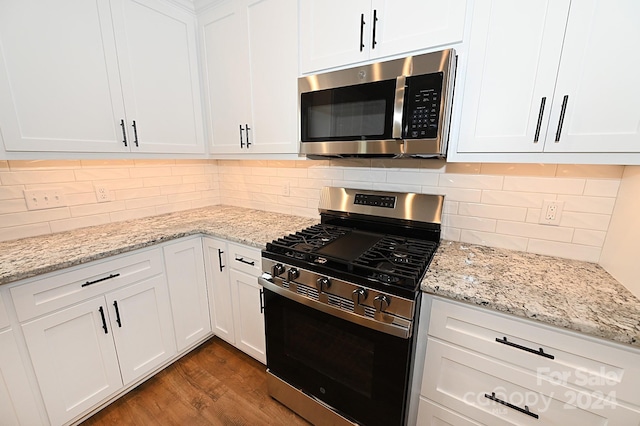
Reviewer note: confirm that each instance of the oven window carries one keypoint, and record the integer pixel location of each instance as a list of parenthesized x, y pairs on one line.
[(359, 112), (360, 372), (330, 351)]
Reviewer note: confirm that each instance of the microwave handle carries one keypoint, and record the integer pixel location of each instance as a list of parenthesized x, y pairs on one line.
[(398, 107)]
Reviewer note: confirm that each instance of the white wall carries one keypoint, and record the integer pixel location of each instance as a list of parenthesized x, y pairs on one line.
[(620, 254)]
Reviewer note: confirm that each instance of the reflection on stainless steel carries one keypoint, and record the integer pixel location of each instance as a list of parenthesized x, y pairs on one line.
[(425, 208)]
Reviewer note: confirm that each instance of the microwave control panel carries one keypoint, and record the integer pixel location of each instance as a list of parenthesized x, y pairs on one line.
[(423, 96)]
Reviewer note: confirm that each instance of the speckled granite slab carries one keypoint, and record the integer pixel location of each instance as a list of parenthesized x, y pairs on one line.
[(29, 257), (571, 294)]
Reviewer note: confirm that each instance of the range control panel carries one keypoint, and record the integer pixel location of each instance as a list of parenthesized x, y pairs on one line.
[(375, 200)]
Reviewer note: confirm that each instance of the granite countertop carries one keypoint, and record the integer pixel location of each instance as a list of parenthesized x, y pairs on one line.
[(575, 295)]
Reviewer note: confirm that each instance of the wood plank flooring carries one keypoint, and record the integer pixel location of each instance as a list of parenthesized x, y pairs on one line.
[(215, 384)]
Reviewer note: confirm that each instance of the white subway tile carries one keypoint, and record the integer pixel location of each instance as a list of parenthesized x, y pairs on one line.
[(140, 163), (449, 180), (292, 172), (174, 207), (13, 206), (131, 194), (396, 164), (101, 173), (516, 199), (4, 164), (519, 169), (450, 207), (79, 222), (565, 250), (162, 181), (509, 242), (545, 185), (278, 208), (590, 171), (492, 211), (264, 197), (34, 216), (119, 184), (589, 238), (350, 162), (412, 178), (305, 192), (193, 178), (80, 199), (462, 168), (313, 183), (531, 230), (33, 177), (451, 234), (365, 175), (602, 188), (456, 194), (305, 212), (11, 192), (324, 173), (292, 201), (187, 196), (109, 164), (97, 208), (397, 187), (595, 222), (467, 222), (281, 163), (139, 203), (24, 231), (18, 165), (583, 204), (146, 172), (123, 215), (205, 202), (187, 170), (533, 215), (352, 184), (264, 171), (67, 187), (281, 181), (177, 189)]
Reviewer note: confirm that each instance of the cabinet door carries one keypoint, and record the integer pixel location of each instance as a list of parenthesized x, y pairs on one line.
[(247, 314), (17, 403), (514, 51), (74, 359), (184, 263), (215, 252), (599, 76), (226, 75), (411, 25), (156, 45), (273, 54), (142, 327), (332, 33), (59, 82)]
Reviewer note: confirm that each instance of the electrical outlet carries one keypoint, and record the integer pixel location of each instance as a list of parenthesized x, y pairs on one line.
[(102, 194), (286, 189), (39, 199), (551, 212)]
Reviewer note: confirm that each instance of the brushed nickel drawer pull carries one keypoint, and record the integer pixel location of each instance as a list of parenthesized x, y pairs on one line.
[(524, 348)]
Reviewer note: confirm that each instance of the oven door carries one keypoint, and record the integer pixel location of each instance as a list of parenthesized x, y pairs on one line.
[(361, 373)]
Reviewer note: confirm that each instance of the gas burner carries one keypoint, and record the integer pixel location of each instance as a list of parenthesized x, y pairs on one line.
[(306, 247), (385, 278), (386, 266)]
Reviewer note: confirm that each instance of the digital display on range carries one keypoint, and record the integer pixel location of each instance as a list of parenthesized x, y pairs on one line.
[(375, 200)]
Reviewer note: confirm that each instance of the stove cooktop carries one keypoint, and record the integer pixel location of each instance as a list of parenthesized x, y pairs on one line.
[(357, 255)]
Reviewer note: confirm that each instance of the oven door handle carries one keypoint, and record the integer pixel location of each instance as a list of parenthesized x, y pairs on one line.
[(392, 329)]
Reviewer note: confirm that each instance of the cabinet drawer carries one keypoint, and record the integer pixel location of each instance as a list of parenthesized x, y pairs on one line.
[(245, 259), (71, 286), (430, 414), (4, 318), (465, 382), (579, 361)]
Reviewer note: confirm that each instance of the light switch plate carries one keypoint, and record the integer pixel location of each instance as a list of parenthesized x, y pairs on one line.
[(40, 199)]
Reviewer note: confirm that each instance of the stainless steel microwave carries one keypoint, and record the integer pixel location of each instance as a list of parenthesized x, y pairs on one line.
[(397, 108)]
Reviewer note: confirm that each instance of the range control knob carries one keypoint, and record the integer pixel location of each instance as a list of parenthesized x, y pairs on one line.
[(381, 302), (323, 283), (293, 274), (278, 269), (359, 295)]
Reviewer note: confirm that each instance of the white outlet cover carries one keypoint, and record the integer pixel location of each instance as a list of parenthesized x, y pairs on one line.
[(102, 194), (551, 208), (40, 199)]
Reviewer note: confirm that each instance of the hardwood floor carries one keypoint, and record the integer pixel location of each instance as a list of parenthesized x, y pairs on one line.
[(215, 384)]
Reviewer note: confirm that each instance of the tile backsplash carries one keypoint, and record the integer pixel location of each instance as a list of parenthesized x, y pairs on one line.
[(490, 204)]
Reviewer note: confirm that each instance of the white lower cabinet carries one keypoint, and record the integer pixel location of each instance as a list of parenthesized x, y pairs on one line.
[(487, 367), (17, 402), (184, 266), (232, 275), (93, 330)]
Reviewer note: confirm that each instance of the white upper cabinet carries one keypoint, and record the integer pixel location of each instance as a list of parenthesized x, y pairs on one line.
[(74, 77), (250, 68), (156, 44), (335, 33), (553, 77), (59, 82)]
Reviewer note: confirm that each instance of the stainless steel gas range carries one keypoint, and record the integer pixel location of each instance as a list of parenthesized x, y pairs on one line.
[(341, 302)]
